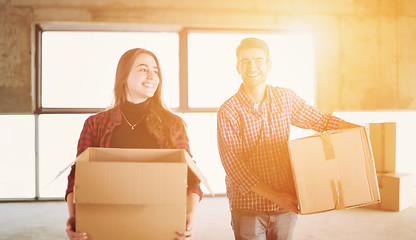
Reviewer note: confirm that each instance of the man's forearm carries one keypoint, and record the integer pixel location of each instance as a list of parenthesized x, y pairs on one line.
[(265, 191), (344, 124)]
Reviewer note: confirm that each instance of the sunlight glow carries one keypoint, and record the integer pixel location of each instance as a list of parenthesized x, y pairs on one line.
[(17, 146), (78, 68), (212, 65)]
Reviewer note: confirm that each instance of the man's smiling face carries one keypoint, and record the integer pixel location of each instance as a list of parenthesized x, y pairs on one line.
[(253, 66)]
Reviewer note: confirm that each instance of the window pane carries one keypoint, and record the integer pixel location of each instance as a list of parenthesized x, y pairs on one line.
[(17, 146), (78, 68), (58, 139), (212, 69), (202, 132), (405, 133)]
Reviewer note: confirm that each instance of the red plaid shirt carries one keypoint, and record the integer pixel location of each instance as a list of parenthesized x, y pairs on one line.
[(253, 144), (97, 133)]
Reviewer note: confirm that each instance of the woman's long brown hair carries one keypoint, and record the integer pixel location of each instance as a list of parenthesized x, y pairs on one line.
[(160, 120)]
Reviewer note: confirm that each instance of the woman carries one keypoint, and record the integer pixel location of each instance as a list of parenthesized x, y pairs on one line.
[(137, 120)]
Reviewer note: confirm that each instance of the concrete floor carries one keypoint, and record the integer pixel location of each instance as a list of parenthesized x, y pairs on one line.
[(46, 220)]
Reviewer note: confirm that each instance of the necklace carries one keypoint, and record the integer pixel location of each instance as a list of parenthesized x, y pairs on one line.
[(131, 125)]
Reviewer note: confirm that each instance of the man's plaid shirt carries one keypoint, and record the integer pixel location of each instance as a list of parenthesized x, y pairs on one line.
[(253, 143)]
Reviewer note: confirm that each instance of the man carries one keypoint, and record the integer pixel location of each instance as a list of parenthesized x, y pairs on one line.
[(253, 130)]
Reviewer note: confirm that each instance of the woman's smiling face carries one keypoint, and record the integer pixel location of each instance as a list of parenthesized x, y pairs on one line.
[(143, 79)]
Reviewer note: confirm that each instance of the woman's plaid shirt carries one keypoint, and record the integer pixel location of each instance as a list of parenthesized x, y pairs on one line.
[(253, 143), (97, 133)]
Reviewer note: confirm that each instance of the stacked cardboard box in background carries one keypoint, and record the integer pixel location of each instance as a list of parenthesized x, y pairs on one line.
[(383, 143), (395, 188)]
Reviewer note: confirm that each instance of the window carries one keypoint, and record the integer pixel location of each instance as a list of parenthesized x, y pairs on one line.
[(213, 77), (202, 133), (78, 68), (17, 146), (76, 74), (58, 138)]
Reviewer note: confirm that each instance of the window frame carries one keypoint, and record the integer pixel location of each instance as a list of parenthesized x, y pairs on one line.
[(183, 32)]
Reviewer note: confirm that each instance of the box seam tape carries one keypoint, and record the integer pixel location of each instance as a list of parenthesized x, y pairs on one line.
[(329, 153)]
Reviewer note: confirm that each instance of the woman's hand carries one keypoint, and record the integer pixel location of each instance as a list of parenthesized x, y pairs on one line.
[(70, 230), (192, 201), (188, 234)]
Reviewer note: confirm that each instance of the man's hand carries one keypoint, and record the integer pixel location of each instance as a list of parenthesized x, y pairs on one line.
[(288, 202), (284, 200)]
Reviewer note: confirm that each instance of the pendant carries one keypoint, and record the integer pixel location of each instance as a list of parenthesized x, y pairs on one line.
[(132, 127)]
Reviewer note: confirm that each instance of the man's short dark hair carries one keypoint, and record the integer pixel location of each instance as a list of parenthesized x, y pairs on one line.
[(249, 43)]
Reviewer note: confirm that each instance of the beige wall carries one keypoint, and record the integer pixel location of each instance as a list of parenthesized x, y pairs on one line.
[(366, 56)]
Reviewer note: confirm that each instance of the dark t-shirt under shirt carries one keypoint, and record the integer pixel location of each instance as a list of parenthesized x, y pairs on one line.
[(124, 136)]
